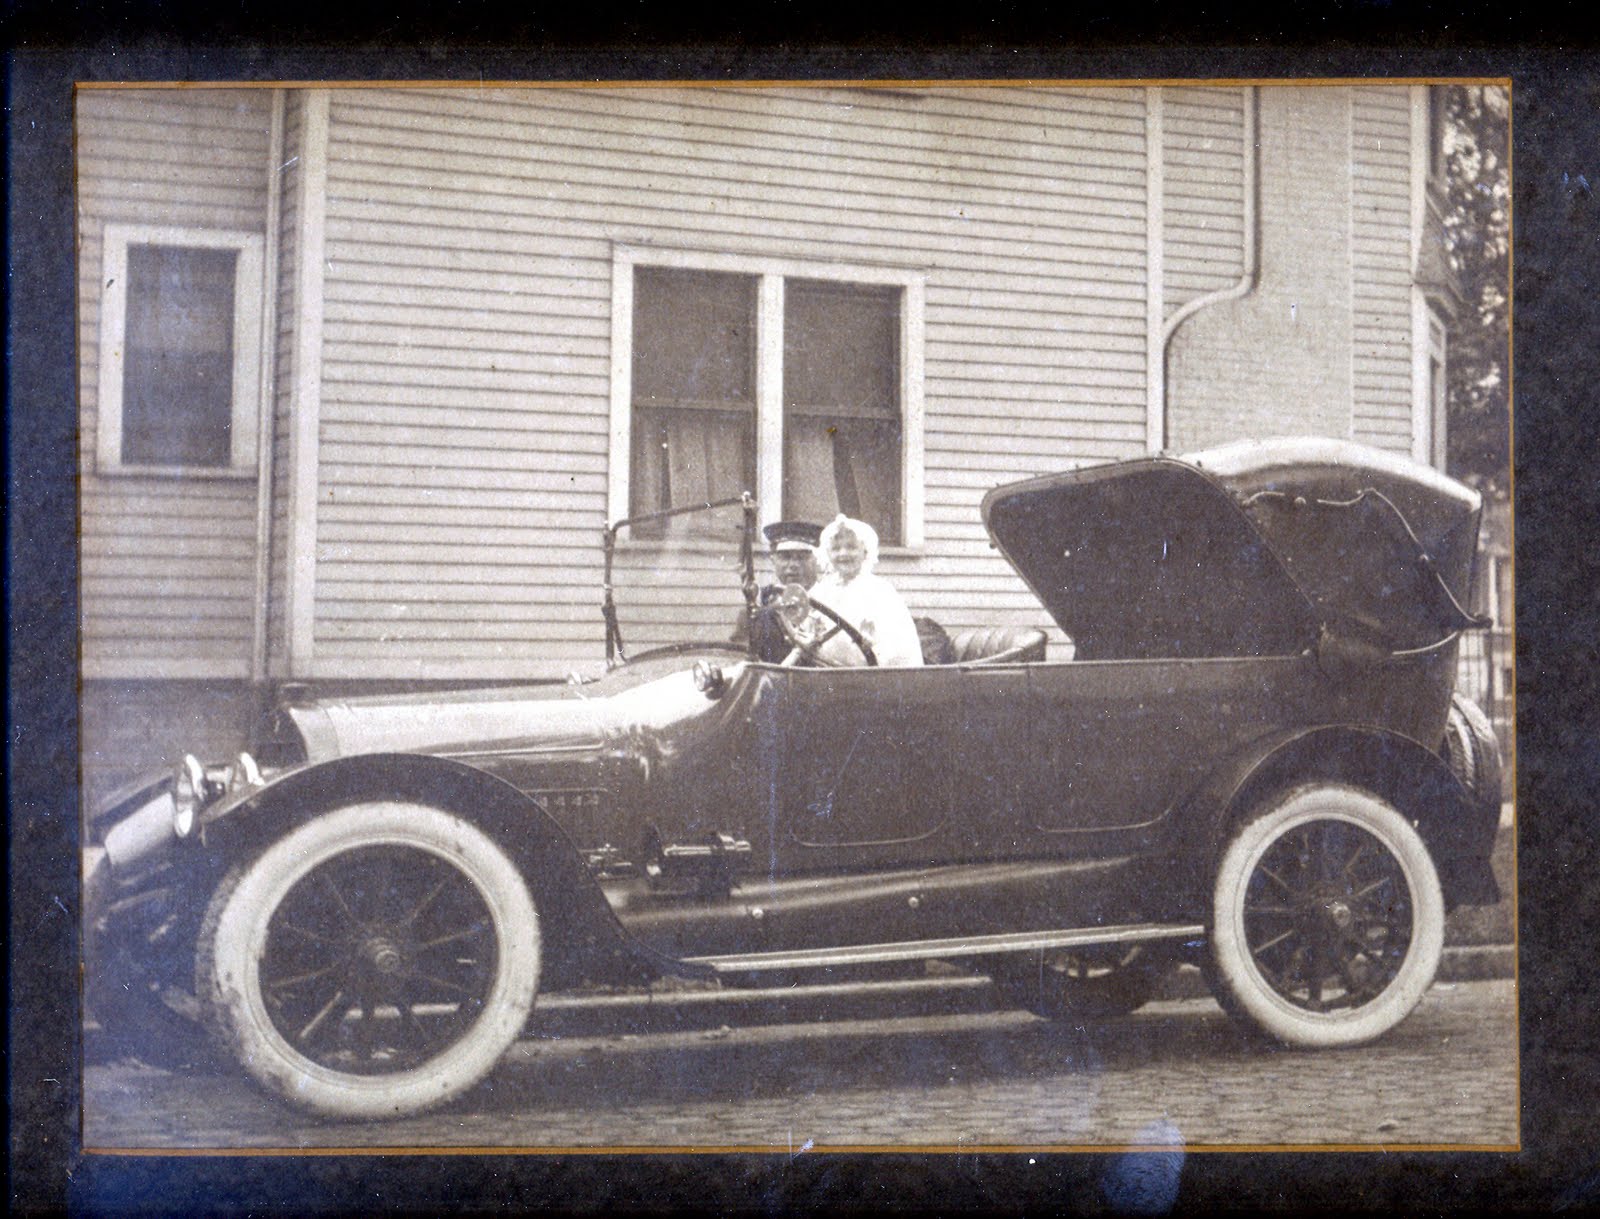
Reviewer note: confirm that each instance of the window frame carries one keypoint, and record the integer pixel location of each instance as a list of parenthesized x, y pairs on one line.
[(1435, 121), (770, 274), (1438, 361), (243, 440)]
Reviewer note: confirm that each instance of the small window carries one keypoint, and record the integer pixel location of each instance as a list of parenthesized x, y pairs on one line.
[(694, 388), (1436, 132), (179, 358), (841, 379), (1438, 392)]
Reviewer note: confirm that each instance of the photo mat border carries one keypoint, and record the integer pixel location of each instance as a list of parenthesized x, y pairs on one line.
[(46, 482)]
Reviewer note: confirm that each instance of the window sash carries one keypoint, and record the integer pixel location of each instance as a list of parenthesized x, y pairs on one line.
[(125, 334), (694, 336), (842, 417), (905, 287), (692, 332), (177, 367)]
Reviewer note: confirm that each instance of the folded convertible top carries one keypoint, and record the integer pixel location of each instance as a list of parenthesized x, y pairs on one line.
[(1252, 549)]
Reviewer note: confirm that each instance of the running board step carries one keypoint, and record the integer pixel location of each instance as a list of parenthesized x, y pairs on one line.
[(961, 946)]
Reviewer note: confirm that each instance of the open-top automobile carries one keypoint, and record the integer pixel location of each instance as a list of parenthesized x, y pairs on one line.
[(1253, 760)]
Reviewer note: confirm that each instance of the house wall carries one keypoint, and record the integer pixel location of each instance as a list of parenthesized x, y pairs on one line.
[(128, 728), (443, 335), (1380, 251), (1322, 343), (462, 475), (1203, 190), (167, 575)]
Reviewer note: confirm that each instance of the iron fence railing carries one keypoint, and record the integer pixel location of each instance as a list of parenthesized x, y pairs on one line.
[(1484, 674)]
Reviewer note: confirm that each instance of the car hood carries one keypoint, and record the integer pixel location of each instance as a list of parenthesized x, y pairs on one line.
[(1249, 549), (553, 719)]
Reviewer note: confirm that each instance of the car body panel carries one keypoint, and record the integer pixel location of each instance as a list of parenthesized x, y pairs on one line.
[(1226, 608)]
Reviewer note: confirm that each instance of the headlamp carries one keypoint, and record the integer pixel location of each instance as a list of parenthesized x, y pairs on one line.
[(188, 794), (195, 786)]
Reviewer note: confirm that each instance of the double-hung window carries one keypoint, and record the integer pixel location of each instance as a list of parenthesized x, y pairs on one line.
[(180, 351), (842, 427), (694, 387), (797, 382)]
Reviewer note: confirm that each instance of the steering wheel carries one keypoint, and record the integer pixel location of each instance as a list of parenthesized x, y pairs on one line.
[(792, 608)]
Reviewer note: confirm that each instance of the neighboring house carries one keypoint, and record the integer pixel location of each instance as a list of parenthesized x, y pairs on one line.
[(366, 370)]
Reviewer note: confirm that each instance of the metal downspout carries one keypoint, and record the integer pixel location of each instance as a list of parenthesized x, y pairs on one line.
[(1252, 245), (267, 409)]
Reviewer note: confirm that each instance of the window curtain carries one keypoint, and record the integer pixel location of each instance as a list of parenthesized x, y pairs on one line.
[(850, 466), (692, 457), (842, 429)]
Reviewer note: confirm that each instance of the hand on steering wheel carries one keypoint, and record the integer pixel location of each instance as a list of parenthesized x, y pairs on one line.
[(792, 608)]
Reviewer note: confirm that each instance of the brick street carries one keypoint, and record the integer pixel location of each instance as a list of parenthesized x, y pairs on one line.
[(1177, 1073)]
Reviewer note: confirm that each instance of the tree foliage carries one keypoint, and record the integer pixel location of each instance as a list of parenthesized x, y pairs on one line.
[(1477, 224)]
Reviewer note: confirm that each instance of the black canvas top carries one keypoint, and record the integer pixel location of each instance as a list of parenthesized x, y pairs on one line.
[(1252, 549)]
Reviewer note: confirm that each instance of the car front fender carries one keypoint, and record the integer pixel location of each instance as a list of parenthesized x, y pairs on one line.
[(585, 940)]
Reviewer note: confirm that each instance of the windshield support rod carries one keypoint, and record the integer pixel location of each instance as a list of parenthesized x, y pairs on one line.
[(747, 563)]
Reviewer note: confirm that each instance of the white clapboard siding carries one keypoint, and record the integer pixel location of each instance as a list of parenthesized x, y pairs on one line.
[(1380, 188), (1203, 178), (467, 337), (193, 158)]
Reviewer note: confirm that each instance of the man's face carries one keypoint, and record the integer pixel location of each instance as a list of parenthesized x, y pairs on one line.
[(795, 567)]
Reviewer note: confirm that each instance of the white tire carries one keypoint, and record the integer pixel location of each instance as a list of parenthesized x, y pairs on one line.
[(1328, 918), (375, 962)]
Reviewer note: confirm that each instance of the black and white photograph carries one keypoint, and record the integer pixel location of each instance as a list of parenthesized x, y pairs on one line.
[(789, 616)]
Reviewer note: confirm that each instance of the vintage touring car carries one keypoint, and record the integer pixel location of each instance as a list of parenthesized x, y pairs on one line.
[(1253, 760)]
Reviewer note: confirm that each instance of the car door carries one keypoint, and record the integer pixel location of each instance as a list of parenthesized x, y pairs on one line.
[(862, 769), (991, 754)]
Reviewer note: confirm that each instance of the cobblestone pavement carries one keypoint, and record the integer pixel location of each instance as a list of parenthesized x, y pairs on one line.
[(1177, 1073)]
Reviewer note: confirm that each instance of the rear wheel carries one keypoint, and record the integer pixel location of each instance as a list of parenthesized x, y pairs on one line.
[(375, 962), (1328, 919)]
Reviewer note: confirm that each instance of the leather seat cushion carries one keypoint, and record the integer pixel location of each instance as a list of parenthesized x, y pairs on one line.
[(998, 644)]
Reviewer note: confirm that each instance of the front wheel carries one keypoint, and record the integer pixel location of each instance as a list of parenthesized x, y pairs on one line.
[(1328, 919), (375, 962)]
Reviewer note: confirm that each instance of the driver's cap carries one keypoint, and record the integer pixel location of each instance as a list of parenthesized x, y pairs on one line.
[(793, 535)]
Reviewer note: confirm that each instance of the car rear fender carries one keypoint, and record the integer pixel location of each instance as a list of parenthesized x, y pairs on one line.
[(1459, 831), (583, 939)]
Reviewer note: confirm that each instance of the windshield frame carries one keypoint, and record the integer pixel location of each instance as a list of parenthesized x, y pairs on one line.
[(616, 651)]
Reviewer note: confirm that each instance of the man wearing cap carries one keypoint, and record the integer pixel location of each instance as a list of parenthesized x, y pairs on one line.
[(793, 545)]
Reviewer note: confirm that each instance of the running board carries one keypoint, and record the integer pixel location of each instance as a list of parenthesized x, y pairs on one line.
[(962, 946)]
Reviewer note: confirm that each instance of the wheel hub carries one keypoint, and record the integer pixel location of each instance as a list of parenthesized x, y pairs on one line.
[(383, 955), (1339, 913)]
